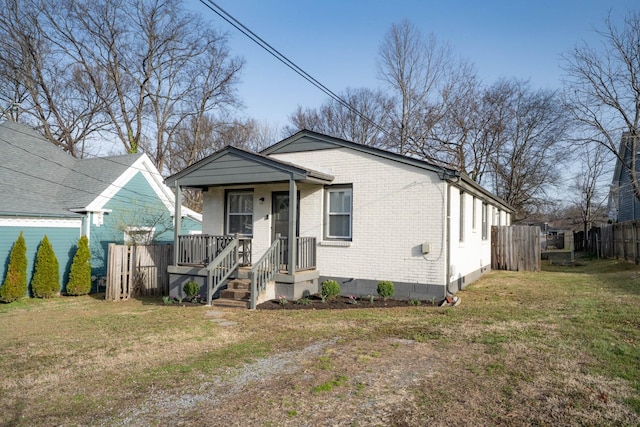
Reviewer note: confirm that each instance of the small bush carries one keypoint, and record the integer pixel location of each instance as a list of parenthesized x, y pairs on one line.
[(46, 278), (385, 289), (80, 274), (304, 301), (15, 284), (330, 289), (191, 289)]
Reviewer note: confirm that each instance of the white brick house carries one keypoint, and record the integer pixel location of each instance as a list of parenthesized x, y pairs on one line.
[(363, 214)]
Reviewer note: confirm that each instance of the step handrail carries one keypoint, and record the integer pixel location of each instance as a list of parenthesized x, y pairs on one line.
[(264, 271), (221, 268)]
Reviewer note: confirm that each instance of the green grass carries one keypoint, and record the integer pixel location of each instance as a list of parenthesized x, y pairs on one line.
[(559, 346)]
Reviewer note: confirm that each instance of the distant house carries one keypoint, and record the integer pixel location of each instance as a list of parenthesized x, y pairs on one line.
[(623, 204), (359, 215), (115, 199)]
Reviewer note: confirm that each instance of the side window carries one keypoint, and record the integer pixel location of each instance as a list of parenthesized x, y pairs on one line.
[(240, 213), (485, 225), (461, 216), (338, 213), (474, 220)]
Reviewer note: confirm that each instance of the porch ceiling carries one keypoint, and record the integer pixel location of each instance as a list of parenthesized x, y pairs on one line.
[(231, 166)]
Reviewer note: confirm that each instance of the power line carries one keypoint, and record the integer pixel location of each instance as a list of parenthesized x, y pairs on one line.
[(215, 8)]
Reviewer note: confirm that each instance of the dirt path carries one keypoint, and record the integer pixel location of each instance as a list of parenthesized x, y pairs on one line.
[(327, 383)]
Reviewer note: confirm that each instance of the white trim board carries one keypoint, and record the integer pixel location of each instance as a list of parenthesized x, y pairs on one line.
[(41, 222)]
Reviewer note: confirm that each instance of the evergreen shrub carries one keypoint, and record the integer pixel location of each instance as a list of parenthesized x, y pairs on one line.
[(191, 289), (330, 289), (15, 284), (80, 274), (385, 289), (46, 277)]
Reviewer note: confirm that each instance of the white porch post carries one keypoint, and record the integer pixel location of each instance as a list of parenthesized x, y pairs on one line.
[(177, 223), (293, 219)]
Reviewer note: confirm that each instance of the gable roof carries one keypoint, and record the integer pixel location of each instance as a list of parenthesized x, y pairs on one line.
[(37, 178), (306, 140), (232, 165)]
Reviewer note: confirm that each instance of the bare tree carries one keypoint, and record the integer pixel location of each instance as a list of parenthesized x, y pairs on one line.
[(589, 200), (415, 69), (532, 126), (48, 92), (136, 69), (363, 121), (603, 90)]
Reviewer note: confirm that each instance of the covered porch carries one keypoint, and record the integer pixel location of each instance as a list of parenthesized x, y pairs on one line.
[(246, 247)]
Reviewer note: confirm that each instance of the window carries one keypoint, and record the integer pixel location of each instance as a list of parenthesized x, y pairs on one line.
[(474, 212), (462, 216), (240, 213), (137, 236), (338, 213), (485, 225)]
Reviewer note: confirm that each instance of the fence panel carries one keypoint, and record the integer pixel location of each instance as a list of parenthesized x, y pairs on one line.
[(137, 271), (620, 240), (515, 248)]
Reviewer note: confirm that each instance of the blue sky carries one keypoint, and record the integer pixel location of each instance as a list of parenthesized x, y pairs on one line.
[(337, 41)]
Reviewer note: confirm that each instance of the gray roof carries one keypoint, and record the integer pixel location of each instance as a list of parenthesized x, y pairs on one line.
[(306, 140), (39, 178), (232, 165)]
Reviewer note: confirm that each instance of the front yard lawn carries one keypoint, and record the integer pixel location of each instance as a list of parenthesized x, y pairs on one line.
[(560, 347)]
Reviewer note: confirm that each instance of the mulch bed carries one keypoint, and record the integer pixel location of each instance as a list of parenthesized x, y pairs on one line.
[(314, 302)]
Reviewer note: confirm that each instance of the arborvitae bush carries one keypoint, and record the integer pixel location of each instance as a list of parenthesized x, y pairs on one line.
[(46, 278), (15, 284), (191, 289), (330, 289), (80, 274), (385, 289)]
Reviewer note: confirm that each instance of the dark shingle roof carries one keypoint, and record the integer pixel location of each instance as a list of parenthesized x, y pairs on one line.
[(39, 178)]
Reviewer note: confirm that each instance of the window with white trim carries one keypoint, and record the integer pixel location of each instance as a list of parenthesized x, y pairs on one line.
[(240, 213), (485, 218), (338, 213), (138, 236), (474, 214), (461, 216)]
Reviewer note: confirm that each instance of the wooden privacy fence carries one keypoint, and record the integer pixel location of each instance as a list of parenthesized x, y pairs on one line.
[(515, 248), (137, 271), (620, 240)]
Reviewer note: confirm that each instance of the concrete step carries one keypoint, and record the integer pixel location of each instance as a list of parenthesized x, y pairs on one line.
[(243, 272), (225, 302), (239, 294), (244, 284)]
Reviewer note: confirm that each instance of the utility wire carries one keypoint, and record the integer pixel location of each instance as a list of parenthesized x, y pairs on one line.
[(215, 8)]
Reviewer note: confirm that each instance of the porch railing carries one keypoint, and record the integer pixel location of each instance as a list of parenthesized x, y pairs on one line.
[(201, 249), (265, 270), (222, 267), (305, 253)]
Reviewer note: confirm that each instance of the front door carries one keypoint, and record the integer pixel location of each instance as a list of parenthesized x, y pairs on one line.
[(280, 214)]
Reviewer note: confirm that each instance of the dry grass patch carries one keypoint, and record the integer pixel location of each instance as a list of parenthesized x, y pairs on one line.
[(557, 347)]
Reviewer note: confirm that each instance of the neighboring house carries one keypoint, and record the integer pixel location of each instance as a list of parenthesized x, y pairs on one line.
[(115, 199), (361, 215), (623, 204)]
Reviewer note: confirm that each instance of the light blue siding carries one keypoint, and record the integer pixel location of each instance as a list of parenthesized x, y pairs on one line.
[(63, 240), (135, 205)]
